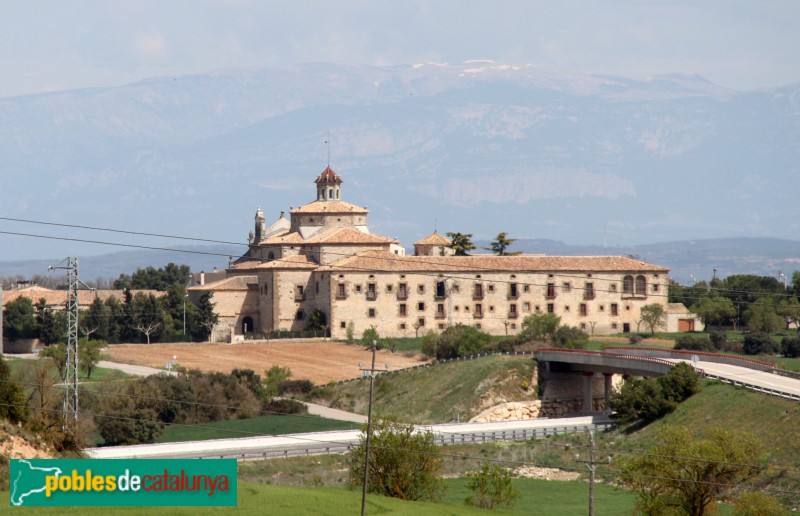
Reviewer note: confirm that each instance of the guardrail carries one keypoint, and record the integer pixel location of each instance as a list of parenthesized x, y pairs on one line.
[(443, 439), (750, 363), (752, 387)]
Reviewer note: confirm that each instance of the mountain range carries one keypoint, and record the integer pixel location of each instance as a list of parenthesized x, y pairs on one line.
[(477, 148)]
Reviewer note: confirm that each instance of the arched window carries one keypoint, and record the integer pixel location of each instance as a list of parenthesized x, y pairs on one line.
[(271, 256), (330, 193), (627, 284), (641, 285)]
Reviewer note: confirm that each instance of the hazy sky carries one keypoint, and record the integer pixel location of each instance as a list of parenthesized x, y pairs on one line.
[(53, 45)]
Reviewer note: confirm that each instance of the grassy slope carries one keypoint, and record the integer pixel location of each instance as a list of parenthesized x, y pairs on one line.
[(537, 497), (262, 425), (437, 394)]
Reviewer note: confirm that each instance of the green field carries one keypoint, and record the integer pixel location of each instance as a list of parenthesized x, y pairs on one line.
[(439, 393), (98, 373), (536, 497), (262, 425)]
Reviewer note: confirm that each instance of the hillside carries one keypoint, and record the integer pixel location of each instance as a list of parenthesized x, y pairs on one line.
[(440, 393)]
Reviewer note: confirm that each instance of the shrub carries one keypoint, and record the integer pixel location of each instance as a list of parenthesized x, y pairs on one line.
[(283, 407), (635, 339), (491, 488), (694, 343), (718, 339), (758, 343), (460, 340), (295, 387), (369, 336), (570, 337), (428, 346), (646, 400), (790, 347)]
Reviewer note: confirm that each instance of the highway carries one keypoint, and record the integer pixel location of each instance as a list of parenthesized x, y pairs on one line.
[(751, 378), (340, 441)]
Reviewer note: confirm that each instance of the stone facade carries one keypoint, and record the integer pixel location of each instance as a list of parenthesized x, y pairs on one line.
[(325, 258)]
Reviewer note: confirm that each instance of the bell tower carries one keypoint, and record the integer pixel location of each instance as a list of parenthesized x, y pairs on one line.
[(329, 185)]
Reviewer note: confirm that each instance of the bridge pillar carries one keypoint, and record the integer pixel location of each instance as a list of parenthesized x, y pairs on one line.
[(587, 392), (607, 388)]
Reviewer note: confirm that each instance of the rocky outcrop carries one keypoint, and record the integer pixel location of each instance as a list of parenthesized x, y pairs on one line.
[(509, 411)]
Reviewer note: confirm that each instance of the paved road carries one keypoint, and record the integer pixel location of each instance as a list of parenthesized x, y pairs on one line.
[(332, 413), (340, 441), (764, 380)]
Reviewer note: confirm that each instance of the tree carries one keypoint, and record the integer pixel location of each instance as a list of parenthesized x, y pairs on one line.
[(456, 341), (500, 244), (790, 347), (12, 396), (403, 462), (206, 317), (50, 326), (148, 316), (95, 320), (646, 400), (154, 279), (688, 476), (570, 337), (317, 320), (89, 354), (273, 377), (756, 503), (540, 326), (58, 354), (789, 310), (758, 343), (369, 336), (761, 316), (491, 488), (461, 243), (19, 319), (653, 315), (714, 310)]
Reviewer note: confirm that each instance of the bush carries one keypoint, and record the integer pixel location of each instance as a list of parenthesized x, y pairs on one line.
[(635, 339), (570, 337), (491, 488), (403, 462), (646, 400), (459, 341), (369, 336), (758, 343), (790, 347), (694, 343), (718, 339), (295, 387), (278, 406)]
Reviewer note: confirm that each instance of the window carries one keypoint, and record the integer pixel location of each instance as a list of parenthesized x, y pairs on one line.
[(317, 287), (566, 287), (440, 289), (441, 326), (420, 289), (478, 310), (551, 290), (513, 292), (491, 308), (372, 293), (402, 291), (551, 308), (513, 326), (627, 284), (477, 293), (358, 289), (566, 308), (343, 325), (526, 307), (583, 309), (478, 326), (421, 307), (402, 309), (491, 288), (613, 326), (454, 288), (614, 309), (299, 293), (440, 310), (340, 291), (389, 287), (299, 315), (371, 312), (655, 287), (613, 287), (402, 326), (512, 310), (641, 285), (602, 308), (421, 322), (583, 325), (526, 288), (588, 291)]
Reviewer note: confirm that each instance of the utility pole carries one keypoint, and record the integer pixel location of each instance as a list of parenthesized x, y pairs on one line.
[(371, 371), (592, 466)]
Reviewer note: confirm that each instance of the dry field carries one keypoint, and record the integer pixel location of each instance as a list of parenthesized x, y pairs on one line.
[(318, 361)]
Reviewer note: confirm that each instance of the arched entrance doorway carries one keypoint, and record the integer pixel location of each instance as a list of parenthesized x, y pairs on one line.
[(247, 325)]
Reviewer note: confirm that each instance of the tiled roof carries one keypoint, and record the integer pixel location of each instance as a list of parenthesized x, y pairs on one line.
[(348, 235), (285, 237), (434, 239), (232, 283), (388, 262), (246, 264), (677, 308), (325, 207), (328, 176), (59, 297), (300, 261)]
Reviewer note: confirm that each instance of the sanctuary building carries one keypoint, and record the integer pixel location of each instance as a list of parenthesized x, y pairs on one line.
[(324, 259)]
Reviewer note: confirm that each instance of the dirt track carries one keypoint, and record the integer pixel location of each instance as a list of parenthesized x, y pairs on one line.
[(318, 361)]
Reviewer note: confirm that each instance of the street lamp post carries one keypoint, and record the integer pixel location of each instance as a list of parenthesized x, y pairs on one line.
[(184, 313)]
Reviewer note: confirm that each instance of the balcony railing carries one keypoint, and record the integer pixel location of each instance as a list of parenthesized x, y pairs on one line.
[(588, 296), (477, 295), (441, 315), (402, 295), (477, 315), (371, 295), (341, 295), (513, 315), (299, 297)]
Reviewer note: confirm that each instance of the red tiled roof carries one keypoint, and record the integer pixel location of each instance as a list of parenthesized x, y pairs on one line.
[(434, 239), (388, 262), (286, 237), (299, 261), (328, 176), (325, 207), (348, 235), (232, 283)]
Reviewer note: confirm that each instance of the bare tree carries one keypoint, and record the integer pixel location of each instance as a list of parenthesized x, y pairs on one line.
[(148, 329)]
